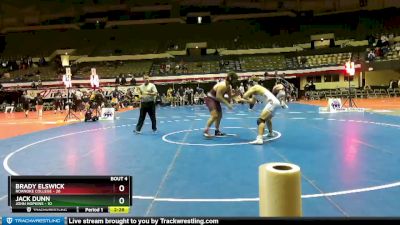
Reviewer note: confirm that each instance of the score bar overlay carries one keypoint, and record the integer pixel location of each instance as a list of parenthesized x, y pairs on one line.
[(59, 194)]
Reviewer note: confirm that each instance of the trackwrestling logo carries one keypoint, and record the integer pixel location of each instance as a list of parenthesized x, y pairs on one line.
[(33, 220)]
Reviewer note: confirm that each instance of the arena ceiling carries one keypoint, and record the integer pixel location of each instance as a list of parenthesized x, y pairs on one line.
[(37, 12)]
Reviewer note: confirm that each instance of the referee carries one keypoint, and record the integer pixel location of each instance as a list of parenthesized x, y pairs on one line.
[(148, 93)]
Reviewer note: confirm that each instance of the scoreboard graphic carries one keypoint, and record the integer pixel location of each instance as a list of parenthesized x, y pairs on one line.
[(75, 194)]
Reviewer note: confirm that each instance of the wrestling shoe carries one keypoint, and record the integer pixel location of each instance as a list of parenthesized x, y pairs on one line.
[(206, 134), (258, 141), (219, 133), (270, 135)]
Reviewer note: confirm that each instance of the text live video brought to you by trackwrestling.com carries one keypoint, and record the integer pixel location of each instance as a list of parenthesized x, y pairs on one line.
[(108, 220)]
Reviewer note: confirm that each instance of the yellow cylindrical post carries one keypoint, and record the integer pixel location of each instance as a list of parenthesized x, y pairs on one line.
[(280, 190)]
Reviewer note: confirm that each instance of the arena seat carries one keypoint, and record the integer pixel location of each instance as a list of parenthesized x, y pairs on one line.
[(264, 62)]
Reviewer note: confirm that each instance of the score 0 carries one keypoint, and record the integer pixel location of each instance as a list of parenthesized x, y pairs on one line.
[(121, 188), (121, 200)]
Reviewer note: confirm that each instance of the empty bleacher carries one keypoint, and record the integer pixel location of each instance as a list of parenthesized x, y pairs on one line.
[(265, 62), (323, 60), (377, 92)]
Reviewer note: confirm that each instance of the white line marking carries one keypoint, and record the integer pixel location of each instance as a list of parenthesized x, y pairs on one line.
[(297, 118), (197, 119), (3, 197), (143, 197), (294, 112), (318, 118), (373, 188), (353, 191), (164, 138), (390, 125), (7, 158), (49, 122), (207, 200), (241, 114), (382, 110)]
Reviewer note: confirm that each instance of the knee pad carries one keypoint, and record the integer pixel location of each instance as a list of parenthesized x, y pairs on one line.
[(259, 120)]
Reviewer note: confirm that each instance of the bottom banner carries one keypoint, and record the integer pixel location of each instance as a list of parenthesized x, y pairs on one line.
[(11, 220), (140, 221), (221, 221)]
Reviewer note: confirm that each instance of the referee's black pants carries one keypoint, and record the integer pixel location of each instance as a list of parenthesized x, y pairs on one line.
[(150, 108)]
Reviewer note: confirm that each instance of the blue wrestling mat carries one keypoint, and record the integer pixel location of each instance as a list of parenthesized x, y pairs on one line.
[(349, 161)]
